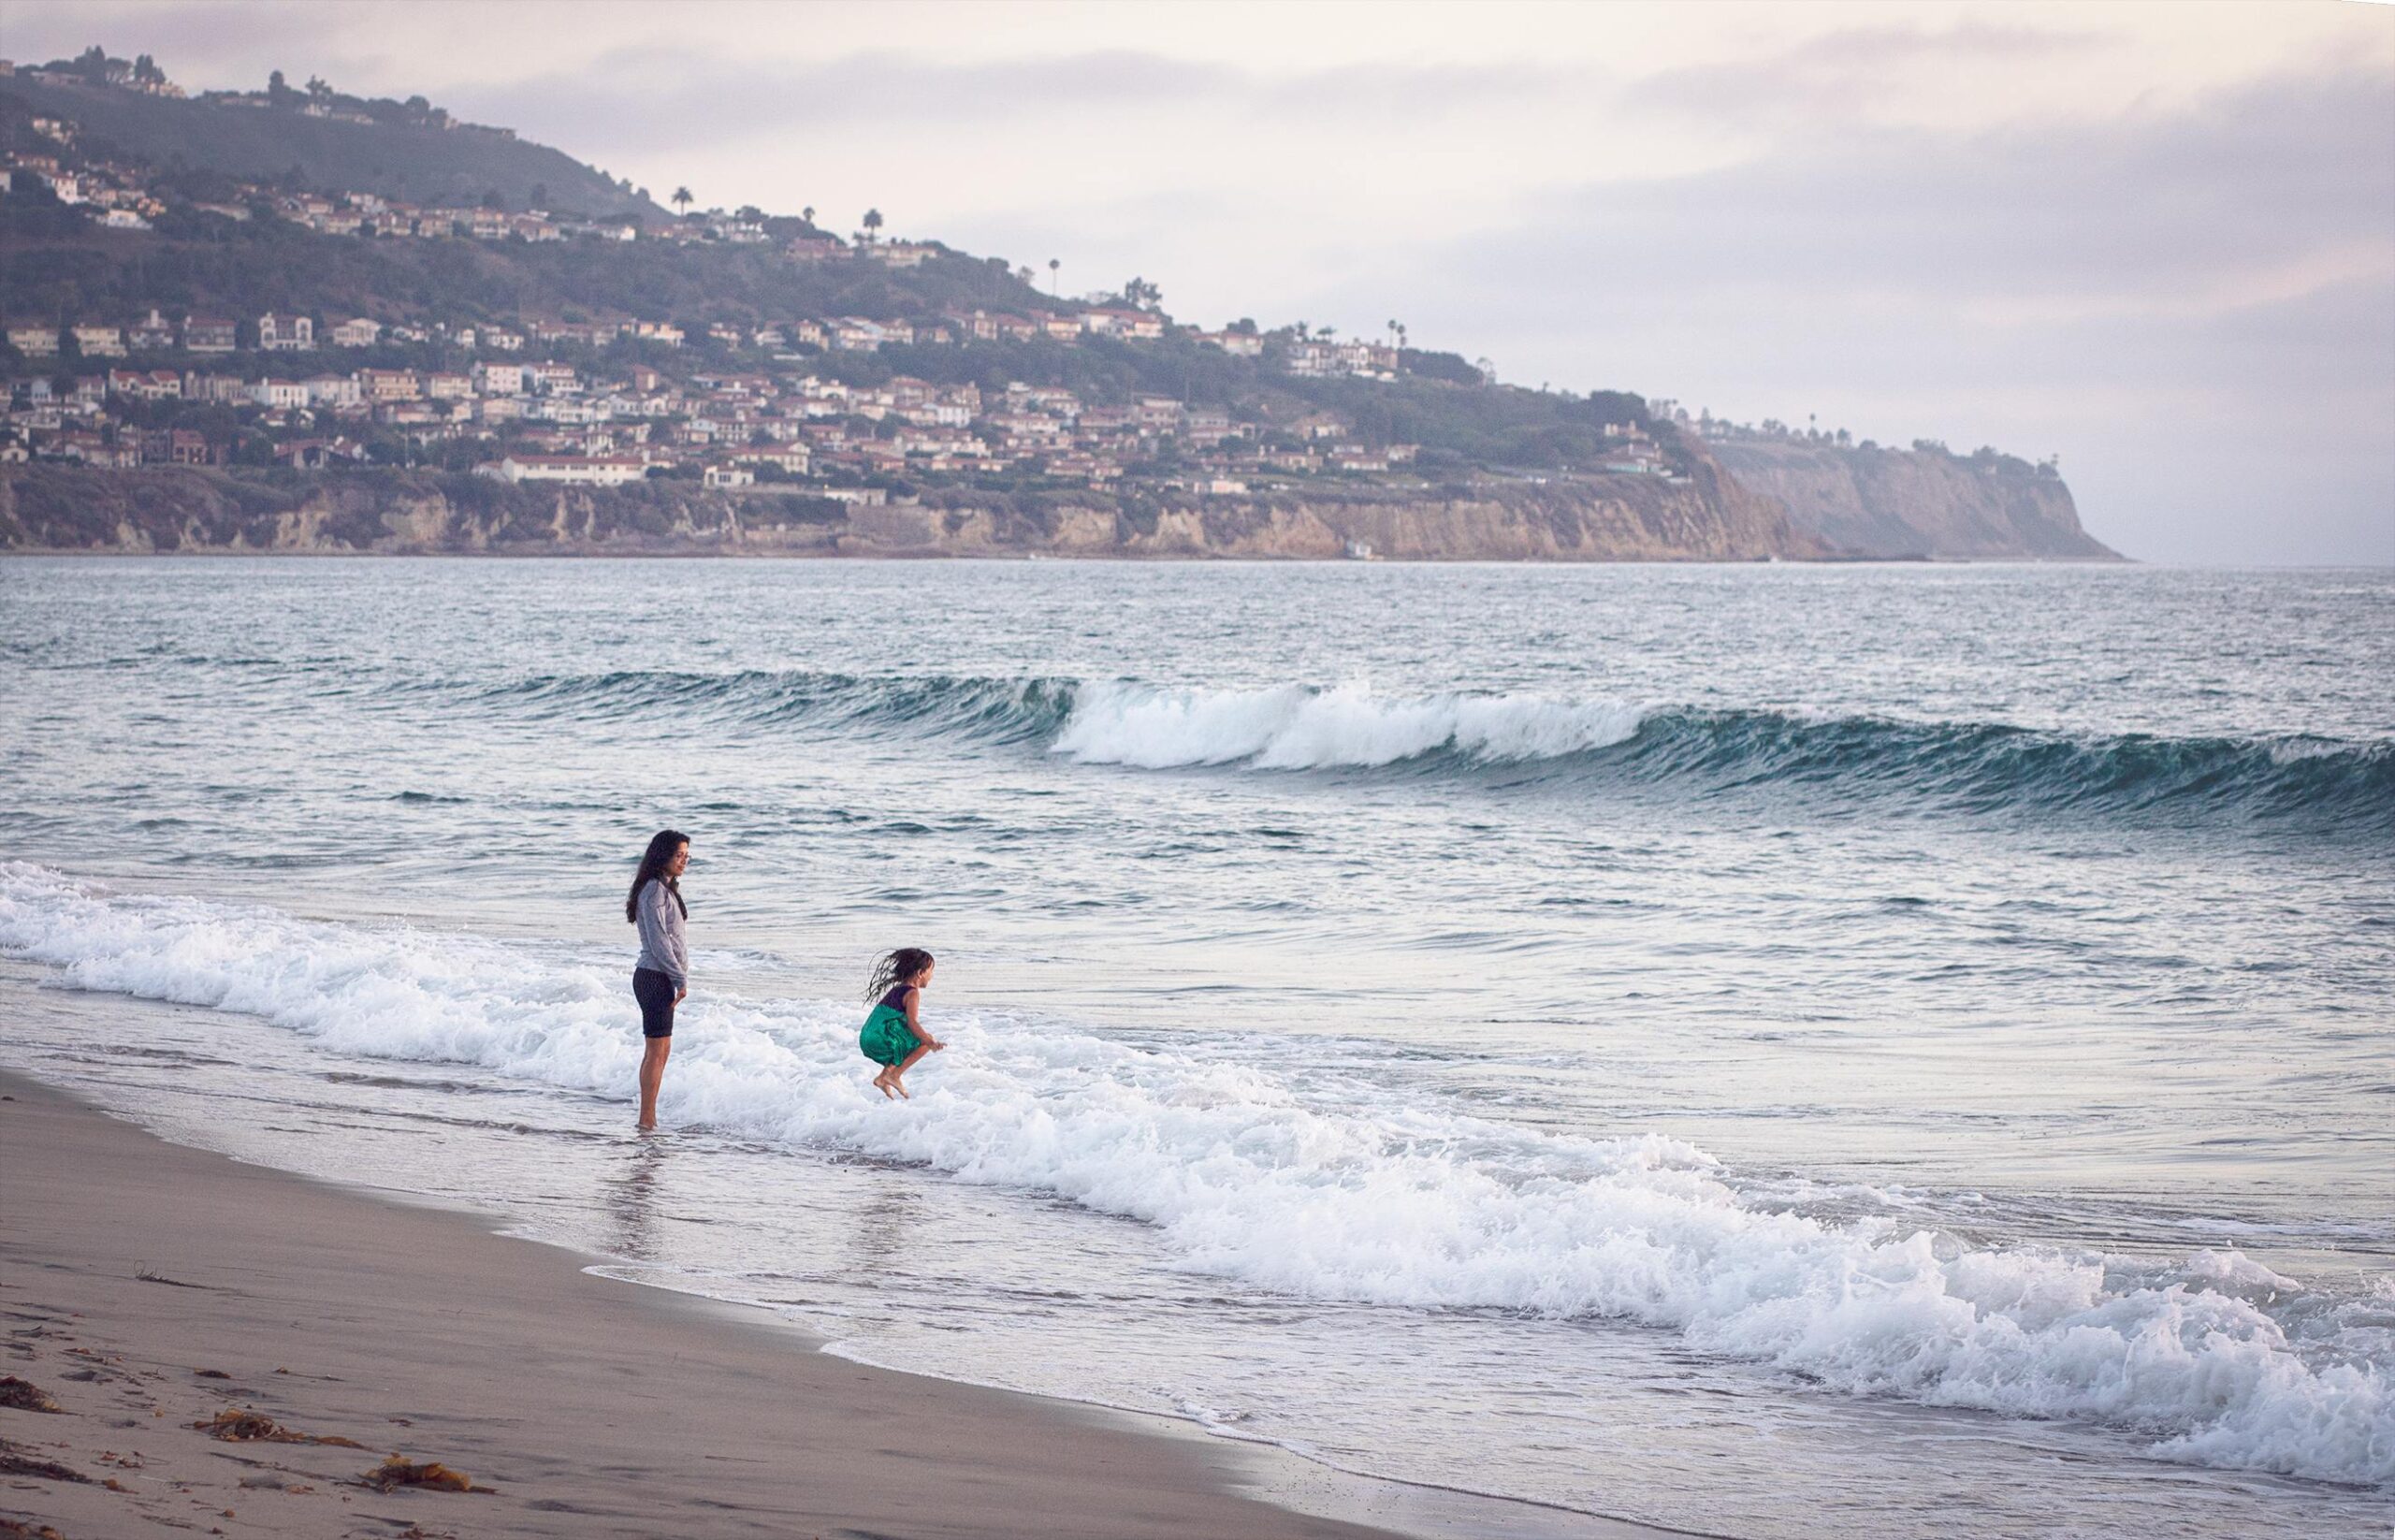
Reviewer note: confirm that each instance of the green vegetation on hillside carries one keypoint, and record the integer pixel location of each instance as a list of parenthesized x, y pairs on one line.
[(406, 153)]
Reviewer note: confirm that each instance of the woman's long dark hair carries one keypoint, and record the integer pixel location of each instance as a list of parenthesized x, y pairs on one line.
[(661, 846), (892, 968)]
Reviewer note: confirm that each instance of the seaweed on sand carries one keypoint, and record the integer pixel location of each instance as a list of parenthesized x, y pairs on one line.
[(247, 1426), (399, 1471)]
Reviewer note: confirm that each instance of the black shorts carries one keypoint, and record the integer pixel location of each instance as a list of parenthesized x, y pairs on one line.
[(655, 993)]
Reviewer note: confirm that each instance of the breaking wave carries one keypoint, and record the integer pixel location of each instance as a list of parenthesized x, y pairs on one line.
[(1964, 766), (1381, 1197)]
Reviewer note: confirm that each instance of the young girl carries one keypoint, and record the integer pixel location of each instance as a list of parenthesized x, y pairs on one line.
[(893, 1035)]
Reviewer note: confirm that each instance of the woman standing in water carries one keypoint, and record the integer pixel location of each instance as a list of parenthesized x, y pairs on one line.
[(662, 977)]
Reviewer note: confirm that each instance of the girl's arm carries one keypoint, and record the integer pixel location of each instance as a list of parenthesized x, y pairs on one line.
[(914, 1022)]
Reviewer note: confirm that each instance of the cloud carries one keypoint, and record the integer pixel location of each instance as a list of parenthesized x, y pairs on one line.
[(1840, 76), (691, 98), (2207, 287)]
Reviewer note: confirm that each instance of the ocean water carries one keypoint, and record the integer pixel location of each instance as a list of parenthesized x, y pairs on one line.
[(1772, 1051)]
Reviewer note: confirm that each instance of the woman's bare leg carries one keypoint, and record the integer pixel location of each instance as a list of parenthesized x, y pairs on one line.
[(652, 1076)]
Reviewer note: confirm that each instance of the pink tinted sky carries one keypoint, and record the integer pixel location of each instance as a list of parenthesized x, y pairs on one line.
[(2158, 240)]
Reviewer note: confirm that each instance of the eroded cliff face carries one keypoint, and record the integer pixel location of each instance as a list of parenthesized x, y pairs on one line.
[(1889, 503), (1708, 517)]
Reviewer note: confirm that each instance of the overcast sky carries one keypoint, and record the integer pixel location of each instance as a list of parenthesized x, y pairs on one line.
[(2155, 239)]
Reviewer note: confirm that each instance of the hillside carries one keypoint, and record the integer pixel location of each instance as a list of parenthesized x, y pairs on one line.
[(307, 284), (200, 262), (401, 159), (1919, 502)]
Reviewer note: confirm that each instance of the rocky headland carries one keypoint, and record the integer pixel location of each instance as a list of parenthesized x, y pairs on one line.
[(1870, 501)]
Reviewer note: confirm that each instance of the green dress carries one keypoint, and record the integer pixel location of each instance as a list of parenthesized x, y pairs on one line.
[(886, 1039)]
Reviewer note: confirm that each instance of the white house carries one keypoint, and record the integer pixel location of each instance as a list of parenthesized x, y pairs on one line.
[(286, 333), (334, 390), (578, 469), (358, 332)]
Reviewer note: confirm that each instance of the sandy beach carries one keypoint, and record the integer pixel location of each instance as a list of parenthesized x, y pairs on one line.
[(149, 1287)]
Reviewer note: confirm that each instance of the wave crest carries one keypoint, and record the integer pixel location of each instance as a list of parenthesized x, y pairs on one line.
[(1590, 744)]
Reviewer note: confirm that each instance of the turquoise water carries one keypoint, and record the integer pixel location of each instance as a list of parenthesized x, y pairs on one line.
[(1778, 1050)]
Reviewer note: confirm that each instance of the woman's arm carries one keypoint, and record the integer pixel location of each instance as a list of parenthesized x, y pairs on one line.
[(664, 921)]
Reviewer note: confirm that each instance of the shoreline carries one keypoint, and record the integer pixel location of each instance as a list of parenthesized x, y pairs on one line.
[(1016, 557), (151, 1286)]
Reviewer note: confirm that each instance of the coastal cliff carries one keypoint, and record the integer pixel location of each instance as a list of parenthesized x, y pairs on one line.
[(1707, 517), (1871, 502)]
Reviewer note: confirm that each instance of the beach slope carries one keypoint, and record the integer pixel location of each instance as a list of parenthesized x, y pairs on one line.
[(148, 1287)]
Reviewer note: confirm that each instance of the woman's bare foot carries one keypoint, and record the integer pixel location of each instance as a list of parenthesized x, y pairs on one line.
[(898, 1084)]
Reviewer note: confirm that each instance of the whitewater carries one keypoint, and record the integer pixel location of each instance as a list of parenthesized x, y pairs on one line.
[(2224, 1361), (1700, 1045)]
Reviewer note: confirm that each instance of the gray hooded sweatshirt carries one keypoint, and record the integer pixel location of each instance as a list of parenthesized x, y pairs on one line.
[(661, 947)]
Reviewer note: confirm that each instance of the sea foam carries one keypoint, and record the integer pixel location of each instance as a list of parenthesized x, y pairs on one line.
[(1294, 727), (2214, 1360)]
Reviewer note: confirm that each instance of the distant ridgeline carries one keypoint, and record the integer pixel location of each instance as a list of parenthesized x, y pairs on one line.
[(297, 319)]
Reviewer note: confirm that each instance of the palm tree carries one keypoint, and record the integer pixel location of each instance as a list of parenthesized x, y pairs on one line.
[(1053, 268), (807, 214), (682, 199), (872, 222)]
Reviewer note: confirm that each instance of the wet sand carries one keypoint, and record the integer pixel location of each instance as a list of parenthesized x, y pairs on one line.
[(148, 1287)]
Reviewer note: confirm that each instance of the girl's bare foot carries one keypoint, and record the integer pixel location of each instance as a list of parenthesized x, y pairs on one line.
[(899, 1085)]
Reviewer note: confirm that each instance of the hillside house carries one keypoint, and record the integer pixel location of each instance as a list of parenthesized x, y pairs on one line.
[(207, 334), (383, 385), (279, 394), (222, 389), (791, 458), (901, 253), (360, 332), (721, 476), (35, 342), (978, 324), (154, 385), (152, 333), (334, 391), (573, 469), (100, 341), (1135, 324), (286, 333), (1239, 344)]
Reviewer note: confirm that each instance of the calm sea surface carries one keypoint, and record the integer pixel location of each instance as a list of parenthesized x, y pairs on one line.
[(1780, 1051)]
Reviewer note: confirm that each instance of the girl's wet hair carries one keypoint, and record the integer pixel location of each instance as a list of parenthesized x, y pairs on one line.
[(661, 846), (895, 967)]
